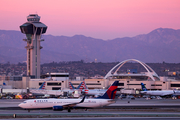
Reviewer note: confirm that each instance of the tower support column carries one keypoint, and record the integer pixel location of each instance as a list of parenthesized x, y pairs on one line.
[(33, 30)]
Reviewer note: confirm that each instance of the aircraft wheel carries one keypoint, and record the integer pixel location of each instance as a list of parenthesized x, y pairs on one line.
[(69, 110)]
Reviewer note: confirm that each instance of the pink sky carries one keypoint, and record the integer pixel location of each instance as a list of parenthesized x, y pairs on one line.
[(104, 19)]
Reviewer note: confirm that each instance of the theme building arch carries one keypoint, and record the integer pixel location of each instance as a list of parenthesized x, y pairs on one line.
[(150, 72)]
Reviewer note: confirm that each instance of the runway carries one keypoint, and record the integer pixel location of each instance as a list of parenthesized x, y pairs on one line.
[(122, 108), (139, 102), (85, 114)]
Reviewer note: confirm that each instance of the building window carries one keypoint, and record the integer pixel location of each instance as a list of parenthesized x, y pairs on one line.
[(135, 84), (156, 85), (119, 89), (121, 84), (56, 88), (175, 85), (17, 78), (75, 83), (54, 84), (40, 83), (93, 83), (59, 75)]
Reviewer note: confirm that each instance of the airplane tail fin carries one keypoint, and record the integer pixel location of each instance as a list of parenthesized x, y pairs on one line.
[(143, 87), (81, 85), (42, 85), (85, 87), (111, 92), (71, 86)]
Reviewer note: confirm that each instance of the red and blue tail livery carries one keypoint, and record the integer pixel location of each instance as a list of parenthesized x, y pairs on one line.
[(42, 85), (71, 86), (80, 87), (111, 92)]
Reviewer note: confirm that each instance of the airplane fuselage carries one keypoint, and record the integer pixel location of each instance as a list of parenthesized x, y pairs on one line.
[(94, 92), (49, 103), (49, 92), (159, 93)]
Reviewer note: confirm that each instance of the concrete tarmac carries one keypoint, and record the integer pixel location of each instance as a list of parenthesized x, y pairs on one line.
[(119, 102), (83, 114), (122, 108), (102, 118)]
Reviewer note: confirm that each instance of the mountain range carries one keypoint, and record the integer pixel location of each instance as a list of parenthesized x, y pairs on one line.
[(160, 45)]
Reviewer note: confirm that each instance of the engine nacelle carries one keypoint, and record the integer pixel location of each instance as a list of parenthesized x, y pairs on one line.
[(57, 108)]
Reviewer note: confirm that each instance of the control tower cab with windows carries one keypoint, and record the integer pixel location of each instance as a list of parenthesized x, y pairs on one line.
[(33, 30)]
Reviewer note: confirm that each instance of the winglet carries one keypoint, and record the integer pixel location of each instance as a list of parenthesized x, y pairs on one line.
[(83, 99)]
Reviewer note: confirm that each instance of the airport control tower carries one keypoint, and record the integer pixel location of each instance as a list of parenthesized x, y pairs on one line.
[(33, 30)]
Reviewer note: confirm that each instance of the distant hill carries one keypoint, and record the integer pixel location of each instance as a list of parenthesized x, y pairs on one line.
[(162, 44)]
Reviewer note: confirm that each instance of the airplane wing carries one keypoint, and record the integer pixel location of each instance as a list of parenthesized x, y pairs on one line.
[(143, 92), (166, 94), (57, 107), (73, 104)]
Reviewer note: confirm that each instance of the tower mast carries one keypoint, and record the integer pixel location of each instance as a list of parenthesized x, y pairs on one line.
[(33, 30)]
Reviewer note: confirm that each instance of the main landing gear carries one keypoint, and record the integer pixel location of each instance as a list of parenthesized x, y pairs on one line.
[(69, 109)]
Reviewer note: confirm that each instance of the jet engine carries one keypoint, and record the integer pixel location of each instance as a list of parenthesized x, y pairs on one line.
[(57, 108)]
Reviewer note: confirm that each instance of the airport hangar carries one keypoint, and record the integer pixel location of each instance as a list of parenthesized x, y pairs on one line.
[(60, 81)]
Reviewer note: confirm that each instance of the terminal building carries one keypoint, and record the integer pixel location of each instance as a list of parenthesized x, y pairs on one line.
[(128, 81)]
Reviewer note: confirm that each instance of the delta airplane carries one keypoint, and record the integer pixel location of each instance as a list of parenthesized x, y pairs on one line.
[(96, 92), (61, 104), (156, 92), (42, 91)]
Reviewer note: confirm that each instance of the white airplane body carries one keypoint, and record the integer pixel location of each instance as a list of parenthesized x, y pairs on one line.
[(158, 92), (49, 103), (68, 91), (94, 92), (42, 91), (61, 104), (47, 92)]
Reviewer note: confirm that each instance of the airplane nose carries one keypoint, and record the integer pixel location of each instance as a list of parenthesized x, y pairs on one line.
[(20, 105)]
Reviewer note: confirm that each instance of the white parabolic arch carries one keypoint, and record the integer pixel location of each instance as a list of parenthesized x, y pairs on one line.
[(150, 74)]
